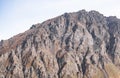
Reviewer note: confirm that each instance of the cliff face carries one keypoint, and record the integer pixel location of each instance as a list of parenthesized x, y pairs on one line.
[(74, 45)]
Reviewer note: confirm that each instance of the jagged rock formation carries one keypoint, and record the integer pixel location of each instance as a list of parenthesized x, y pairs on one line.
[(74, 45)]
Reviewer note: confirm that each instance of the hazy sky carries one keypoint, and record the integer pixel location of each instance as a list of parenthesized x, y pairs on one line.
[(16, 16)]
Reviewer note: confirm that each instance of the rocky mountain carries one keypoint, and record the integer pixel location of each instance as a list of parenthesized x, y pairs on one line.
[(74, 45)]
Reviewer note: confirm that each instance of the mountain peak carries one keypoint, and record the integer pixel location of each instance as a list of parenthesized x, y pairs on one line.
[(74, 45)]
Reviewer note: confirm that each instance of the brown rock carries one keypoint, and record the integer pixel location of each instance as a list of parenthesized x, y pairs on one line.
[(74, 45)]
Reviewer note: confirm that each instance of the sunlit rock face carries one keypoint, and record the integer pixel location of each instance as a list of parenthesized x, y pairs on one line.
[(74, 45)]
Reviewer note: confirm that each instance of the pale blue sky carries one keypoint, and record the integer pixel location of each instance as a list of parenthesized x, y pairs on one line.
[(16, 16)]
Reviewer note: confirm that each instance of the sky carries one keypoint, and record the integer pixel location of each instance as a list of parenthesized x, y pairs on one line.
[(17, 16)]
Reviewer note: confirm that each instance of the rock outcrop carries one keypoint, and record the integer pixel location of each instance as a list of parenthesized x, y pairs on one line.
[(74, 45)]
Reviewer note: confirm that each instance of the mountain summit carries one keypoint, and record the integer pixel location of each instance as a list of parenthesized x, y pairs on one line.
[(74, 45)]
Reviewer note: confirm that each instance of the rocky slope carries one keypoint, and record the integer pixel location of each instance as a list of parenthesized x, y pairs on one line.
[(74, 45)]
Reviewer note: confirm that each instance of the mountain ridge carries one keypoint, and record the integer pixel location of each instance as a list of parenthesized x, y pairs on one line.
[(73, 45)]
